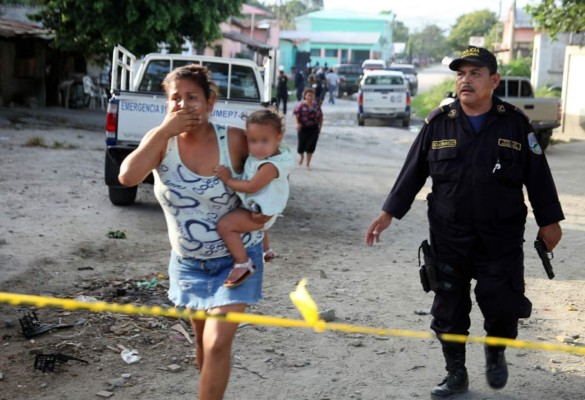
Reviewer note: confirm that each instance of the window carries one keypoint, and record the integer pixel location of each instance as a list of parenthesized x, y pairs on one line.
[(154, 76), (525, 89), (315, 52), (25, 60), (513, 88), (331, 53), (384, 80), (244, 85)]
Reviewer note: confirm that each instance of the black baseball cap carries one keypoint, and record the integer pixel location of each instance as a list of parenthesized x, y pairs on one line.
[(477, 56)]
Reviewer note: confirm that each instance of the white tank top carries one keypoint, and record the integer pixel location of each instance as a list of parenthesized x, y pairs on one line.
[(192, 204)]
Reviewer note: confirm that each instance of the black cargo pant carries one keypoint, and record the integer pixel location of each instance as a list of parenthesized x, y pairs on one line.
[(498, 270)]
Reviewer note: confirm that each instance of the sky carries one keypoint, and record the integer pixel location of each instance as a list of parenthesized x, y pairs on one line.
[(416, 14)]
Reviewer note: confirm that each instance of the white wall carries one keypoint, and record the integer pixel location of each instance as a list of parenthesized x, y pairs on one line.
[(573, 100), (547, 62)]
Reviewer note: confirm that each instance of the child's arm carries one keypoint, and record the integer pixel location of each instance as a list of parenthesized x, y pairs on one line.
[(266, 173)]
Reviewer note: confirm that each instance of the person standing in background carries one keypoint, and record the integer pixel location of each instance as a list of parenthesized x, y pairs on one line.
[(299, 81), (282, 90), (309, 119), (332, 82)]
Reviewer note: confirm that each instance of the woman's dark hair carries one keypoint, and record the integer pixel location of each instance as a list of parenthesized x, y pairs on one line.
[(307, 90), (196, 73), (267, 116)]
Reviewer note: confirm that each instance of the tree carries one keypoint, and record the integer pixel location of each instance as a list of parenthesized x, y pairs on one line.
[(95, 27), (554, 16), (478, 23), (294, 8), (400, 33), (429, 43)]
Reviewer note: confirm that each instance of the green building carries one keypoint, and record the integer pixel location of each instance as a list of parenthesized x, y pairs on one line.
[(337, 37)]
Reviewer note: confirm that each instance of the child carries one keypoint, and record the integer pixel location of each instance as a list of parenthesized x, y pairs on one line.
[(263, 189)]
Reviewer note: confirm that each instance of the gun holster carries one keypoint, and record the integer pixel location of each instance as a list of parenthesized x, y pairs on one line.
[(436, 275)]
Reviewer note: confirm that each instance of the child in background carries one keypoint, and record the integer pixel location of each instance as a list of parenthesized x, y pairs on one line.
[(263, 188)]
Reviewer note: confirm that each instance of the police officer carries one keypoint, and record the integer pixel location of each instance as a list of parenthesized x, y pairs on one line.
[(479, 152)]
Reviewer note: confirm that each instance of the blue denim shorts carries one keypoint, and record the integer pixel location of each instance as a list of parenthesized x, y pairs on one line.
[(198, 284)]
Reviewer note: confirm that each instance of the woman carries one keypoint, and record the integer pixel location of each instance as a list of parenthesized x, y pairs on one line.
[(183, 152), (309, 119)]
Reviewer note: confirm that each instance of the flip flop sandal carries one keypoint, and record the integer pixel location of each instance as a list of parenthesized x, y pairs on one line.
[(250, 269), (269, 255)]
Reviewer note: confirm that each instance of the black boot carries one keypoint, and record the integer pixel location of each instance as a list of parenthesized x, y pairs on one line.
[(456, 380), (496, 369)]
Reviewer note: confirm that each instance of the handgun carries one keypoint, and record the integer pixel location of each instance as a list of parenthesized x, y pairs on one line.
[(545, 257)]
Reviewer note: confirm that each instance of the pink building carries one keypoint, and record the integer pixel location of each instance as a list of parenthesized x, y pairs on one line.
[(517, 36)]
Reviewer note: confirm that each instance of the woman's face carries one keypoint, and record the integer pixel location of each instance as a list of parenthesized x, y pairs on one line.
[(185, 93), (310, 97)]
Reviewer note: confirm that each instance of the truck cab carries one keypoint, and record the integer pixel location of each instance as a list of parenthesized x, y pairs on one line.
[(138, 102)]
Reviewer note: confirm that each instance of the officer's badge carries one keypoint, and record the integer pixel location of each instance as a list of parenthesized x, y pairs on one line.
[(452, 114), (533, 144), (501, 108)]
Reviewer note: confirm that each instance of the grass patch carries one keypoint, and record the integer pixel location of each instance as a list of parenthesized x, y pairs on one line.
[(424, 103), (37, 141)]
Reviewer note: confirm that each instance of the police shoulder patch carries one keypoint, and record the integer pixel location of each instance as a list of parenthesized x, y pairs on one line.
[(533, 144)]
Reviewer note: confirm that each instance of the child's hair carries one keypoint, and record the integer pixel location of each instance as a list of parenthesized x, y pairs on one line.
[(196, 73), (267, 116)]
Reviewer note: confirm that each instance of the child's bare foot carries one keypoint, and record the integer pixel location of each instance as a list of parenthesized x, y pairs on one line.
[(240, 274)]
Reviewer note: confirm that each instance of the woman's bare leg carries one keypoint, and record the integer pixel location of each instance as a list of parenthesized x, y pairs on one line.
[(218, 337), (198, 327), (309, 157)]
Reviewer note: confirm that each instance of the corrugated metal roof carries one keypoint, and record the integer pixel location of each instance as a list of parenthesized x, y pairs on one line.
[(368, 38), (10, 28)]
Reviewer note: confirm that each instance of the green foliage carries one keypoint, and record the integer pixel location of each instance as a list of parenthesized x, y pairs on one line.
[(400, 33), (555, 18), (518, 67), (424, 103), (95, 27), (478, 23), (547, 92), (430, 42), (293, 9)]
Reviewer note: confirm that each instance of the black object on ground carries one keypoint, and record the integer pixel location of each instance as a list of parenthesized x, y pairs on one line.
[(48, 362), (31, 326)]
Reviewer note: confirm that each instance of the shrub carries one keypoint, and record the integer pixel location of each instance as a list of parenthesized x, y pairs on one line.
[(424, 103)]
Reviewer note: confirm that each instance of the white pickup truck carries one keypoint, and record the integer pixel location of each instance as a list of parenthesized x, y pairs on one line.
[(544, 112), (138, 102)]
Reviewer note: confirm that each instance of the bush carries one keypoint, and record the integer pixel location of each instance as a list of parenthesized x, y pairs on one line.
[(518, 67), (424, 103)]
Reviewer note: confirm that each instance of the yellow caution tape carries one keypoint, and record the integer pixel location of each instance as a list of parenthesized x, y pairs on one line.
[(304, 303)]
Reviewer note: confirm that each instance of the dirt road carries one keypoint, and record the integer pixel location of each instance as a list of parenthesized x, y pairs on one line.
[(54, 223)]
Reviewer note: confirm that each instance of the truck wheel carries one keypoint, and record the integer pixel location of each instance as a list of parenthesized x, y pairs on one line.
[(121, 195), (543, 138), (361, 121), (406, 121), (338, 92)]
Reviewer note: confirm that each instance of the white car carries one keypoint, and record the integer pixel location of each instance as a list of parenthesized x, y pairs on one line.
[(384, 95), (373, 65)]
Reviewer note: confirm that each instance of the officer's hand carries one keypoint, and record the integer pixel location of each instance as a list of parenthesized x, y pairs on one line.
[(550, 235), (376, 228)]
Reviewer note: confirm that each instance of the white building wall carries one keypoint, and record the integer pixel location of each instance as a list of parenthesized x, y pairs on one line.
[(547, 62), (573, 100)]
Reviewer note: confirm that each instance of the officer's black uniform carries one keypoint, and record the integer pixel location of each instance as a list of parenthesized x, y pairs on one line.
[(476, 210)]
